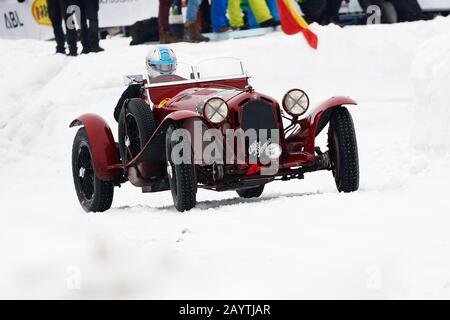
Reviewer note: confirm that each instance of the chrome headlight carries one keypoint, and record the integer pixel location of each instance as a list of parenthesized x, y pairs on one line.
[(215, 110), (296, 102)]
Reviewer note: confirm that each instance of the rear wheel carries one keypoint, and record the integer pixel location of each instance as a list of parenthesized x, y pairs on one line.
[(136, 126), (182, 177), (251, 192), (94, 194), (343, 150)]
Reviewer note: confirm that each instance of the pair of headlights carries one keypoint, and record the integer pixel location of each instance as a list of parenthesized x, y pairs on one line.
[(295, 102)]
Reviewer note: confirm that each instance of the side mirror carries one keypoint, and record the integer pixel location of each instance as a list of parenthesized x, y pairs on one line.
[(133, 79)]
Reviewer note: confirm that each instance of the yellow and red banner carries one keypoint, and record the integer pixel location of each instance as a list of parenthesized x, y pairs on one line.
[(292, 21), (39, 10)]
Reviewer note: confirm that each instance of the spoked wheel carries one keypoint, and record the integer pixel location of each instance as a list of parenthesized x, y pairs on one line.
[(251, 192), (343, 150), (132, 138), (94, 194), (182, 177), (136, 126)]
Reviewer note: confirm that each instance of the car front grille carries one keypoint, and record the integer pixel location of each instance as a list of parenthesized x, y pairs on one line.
[(258, 115)]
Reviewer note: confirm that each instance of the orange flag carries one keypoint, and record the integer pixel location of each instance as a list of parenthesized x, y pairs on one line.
[(292, 21)]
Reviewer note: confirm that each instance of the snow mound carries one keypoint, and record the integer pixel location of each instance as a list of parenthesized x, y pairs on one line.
[(300, 240), (431, 76)]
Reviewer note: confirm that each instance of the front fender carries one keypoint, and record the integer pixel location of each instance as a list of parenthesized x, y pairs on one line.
[(319, 118), (155, 146), (183, 115), (103, 147)]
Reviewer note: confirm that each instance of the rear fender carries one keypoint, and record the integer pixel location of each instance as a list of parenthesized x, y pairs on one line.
[(320, 117), (103, 147)]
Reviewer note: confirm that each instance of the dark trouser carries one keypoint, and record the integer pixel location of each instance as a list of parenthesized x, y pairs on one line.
[(407, 10), (332, 11), (57, 10), (163, 16), (314, 10), (205, 11), (89, 24)]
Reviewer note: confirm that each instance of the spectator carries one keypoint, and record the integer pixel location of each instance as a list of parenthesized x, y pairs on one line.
[(272, 4), (89, 26), (259, 13), (205, 11), (57, 10), (165, 37), (262, 13), (192, 31), (321, 11), (235, 14), (332, 12), (219, 15)]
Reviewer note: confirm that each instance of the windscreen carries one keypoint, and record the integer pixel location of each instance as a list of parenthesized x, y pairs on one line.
[(219, 68)]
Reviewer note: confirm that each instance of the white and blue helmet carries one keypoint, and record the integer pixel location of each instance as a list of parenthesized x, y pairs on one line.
[(161, 61)]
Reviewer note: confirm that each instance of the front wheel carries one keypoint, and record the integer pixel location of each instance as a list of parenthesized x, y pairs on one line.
[(343, 150), (94, 194), (181, 175)]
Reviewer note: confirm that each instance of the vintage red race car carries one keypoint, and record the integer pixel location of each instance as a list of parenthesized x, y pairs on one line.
[(211, 131)]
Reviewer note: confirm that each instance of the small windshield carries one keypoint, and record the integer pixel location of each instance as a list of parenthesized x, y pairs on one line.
[(218, 68)]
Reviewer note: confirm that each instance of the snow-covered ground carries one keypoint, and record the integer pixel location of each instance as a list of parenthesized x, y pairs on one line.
[(302, 239)]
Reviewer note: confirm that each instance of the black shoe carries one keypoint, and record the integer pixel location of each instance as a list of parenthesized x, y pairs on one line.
[(86, 51), (268, 23), (72, 54), (61, 51), (98, 49)]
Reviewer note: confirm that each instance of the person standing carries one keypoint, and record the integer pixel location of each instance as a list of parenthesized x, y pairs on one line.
[(322, 11), (235, 14), (219, 16), (261, 12), (192, 32), (57, 11), (205, 13), (332, 12), (165, 36), (89, 26)]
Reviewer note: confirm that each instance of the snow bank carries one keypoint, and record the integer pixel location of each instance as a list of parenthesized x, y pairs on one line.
[(302, 239), (431, 75)]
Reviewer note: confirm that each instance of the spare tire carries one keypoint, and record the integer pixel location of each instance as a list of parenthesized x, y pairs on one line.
[(248, 193), (136, 126)]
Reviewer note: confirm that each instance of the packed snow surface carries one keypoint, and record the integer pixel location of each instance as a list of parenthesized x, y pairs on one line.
[(301, 239)]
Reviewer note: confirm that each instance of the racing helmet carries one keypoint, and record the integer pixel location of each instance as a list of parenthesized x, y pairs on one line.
[(161, 61)]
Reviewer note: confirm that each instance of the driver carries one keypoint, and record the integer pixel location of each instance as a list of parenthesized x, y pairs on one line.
[(159, 62)]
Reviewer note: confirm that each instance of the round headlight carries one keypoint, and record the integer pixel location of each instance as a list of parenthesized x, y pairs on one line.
[(296, 102), (215, 110)]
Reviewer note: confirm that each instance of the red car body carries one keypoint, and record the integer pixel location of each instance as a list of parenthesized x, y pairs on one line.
[(298, 146)]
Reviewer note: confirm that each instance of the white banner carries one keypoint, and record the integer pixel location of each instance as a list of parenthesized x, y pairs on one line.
[(29, 19), (114, 13)]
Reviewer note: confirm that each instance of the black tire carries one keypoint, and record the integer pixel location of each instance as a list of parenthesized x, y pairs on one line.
[(140, 127), (389, 13), (182, 177), (251, 192), (343, 150), (94, 194)]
